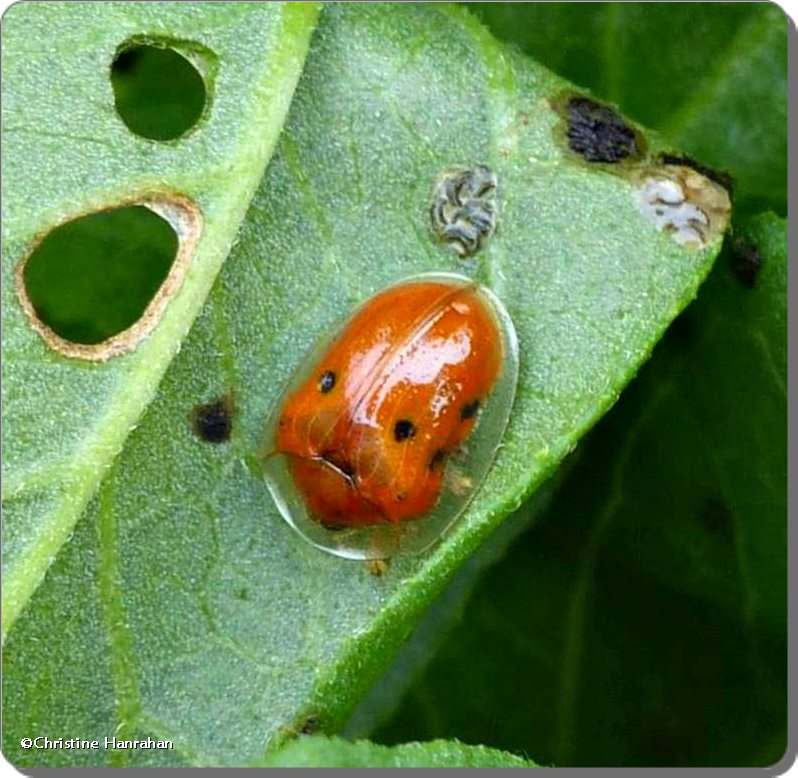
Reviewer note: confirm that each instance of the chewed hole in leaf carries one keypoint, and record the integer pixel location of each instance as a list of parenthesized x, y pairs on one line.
[(159, 93), (95, 285), (92, 277)]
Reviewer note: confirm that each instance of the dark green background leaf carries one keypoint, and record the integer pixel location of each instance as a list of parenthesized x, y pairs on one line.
[(644, 618)]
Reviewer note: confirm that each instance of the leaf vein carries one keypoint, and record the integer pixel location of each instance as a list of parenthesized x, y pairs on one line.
[(120, 640)]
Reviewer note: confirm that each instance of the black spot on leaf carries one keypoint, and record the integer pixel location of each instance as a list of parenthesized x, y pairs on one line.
[(597, 132), (213, 421), (746, 261)]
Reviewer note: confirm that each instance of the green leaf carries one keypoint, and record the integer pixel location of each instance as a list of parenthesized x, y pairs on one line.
[(321, 751), (184, 606), (67, 419), (648, 607), (713, 78)]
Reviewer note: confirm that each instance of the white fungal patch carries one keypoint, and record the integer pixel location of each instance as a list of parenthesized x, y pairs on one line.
[(683, 202), (664, 203)]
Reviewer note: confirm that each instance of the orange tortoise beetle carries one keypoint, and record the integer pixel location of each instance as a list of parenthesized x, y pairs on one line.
[(367, 433)]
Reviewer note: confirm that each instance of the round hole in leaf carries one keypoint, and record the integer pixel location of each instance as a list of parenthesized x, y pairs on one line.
[(93, 277), (159, 93)]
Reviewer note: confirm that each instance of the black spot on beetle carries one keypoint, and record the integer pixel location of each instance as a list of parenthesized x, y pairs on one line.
[(403, 429), (327, 382), (437, 459), (746, 261), (213, 421), (469, 411), (597, 132), (718, 176)]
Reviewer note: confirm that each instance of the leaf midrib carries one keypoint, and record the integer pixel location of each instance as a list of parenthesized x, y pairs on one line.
[(120, 642)]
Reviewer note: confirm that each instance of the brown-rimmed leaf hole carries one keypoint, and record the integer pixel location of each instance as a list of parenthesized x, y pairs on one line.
[(159, 93), (95, 285), (93, 277)]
